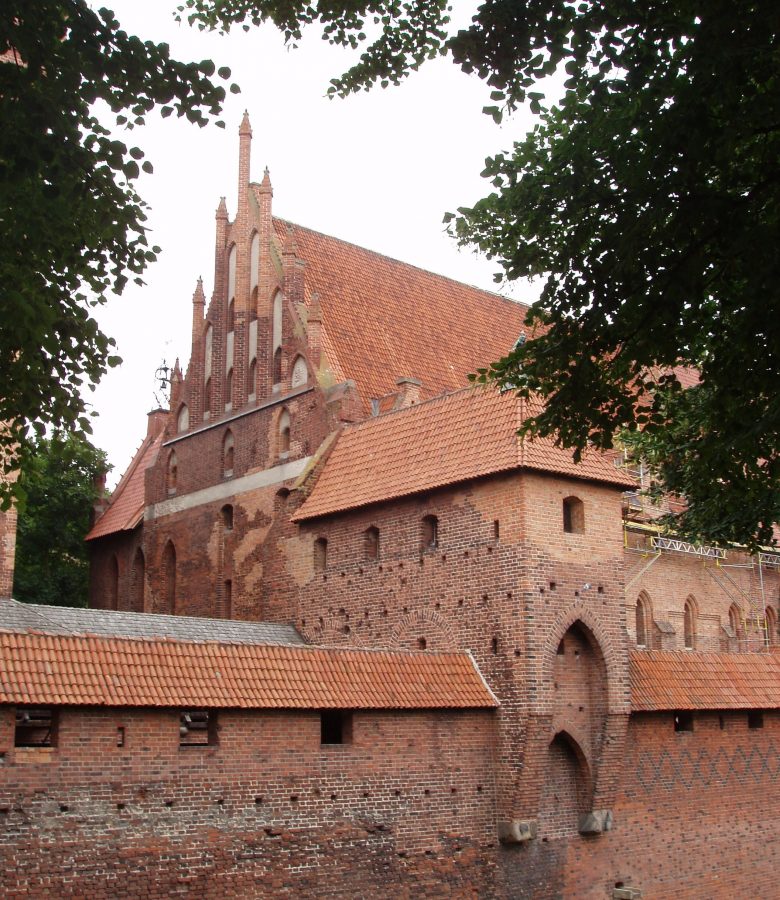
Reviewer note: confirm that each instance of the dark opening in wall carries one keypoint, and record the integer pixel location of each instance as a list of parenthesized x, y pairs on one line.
[(422, 643), (172, 476), (683, 720), (573, 515), (120, 735), (494, 646), (197, 727), (496, 529), (371, 542), (429, 536), (755, 719), (320, 554), (561, 649), (227, 517), (36, 726), (335, 726)]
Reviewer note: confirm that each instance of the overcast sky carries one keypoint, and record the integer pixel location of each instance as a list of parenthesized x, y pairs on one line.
[(379, 169)]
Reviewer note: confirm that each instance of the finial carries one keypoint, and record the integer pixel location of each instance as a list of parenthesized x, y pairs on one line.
[(222, 212), (198, 296), (265, 184), (176, 374), (246, 127), (290, 247)]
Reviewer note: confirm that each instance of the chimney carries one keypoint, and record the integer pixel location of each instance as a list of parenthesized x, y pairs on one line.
[(408, 392), (155, 423)]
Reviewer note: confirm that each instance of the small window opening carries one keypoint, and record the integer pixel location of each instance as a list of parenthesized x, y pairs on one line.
[(120, 735), (689, 626), (755, 719), (573, 515), (251, 378), (229, 390), (372, 542), (320, 554), (641, 624), (422, 644), (228, 453), (335, 726), (496, 529), (683, 720), (197, 727), (430, 533), (35, 727), (227, 517), (721, 722), (494, 646), (284, 432)]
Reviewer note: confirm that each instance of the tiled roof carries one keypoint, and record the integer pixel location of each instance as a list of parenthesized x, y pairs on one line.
[(126, 508), (456, 437), (689, 680), (382, 318), (15, 616), (48, 669)]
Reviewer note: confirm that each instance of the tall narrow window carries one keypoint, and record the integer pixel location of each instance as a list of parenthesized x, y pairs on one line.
[(231, 316), (689, 624), (228, 451), (573, 515), (276, 338), (371, 542), (183, 419), (139, 577), (229, 390), (112, 588), (231, 274), (771, 625), (641, 622), (284, 432), (320, 554), (173, 473), (169, 578), (277, 365), (735, 621), (254, 262), (227, 517), (251, 379), (207, 400), (429, 537)]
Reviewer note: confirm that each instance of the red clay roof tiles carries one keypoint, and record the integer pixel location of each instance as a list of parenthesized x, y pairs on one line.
[(667, 680), (90, 670), (459, 436), (126, 508)]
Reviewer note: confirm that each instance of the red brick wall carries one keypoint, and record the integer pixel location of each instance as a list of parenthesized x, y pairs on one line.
[(266, 812), (7, 550)]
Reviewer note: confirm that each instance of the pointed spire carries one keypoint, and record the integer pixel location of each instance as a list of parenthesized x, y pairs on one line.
[(222, 212), (290, 247), (176, 374), (198, 296), (265, 184), (246, 127)]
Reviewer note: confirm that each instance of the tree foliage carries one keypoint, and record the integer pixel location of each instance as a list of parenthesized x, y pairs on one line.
[(648, 198), (58, 486), (71, 225)]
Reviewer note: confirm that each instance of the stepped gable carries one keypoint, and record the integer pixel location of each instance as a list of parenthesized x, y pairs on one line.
[(100, 671), (68, 620), (467, 434), (382, 318), (126, 508), (684, 679)]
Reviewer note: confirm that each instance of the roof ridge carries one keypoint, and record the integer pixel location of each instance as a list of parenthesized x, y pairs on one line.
[(401, 262), (126, 475)]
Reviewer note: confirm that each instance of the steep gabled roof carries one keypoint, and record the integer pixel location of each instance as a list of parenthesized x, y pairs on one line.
[(382, 318), (100, 671), (459, 436), (682, 679), (127, 502)]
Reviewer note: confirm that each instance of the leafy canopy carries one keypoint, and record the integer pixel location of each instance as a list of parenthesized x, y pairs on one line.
[(649, 200), (58, 482), (71, 225)]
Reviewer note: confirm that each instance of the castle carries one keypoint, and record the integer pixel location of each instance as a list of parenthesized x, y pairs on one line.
[(349, 636)]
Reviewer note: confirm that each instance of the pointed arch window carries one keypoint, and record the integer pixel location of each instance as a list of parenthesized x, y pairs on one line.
[(284, 432), (276, 338), (642, 621), (172, 475), (228, 453), (771, 625), (278, 365), (689, 624), (251, 380), (169, 578), (207, 400), (207, 351), (183, 418), (735, 621), (231, 274), (231, 316), (300, 372), (227, 517), (429, 535)]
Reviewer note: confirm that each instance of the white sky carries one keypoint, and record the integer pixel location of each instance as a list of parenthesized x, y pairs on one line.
[(379, 169)]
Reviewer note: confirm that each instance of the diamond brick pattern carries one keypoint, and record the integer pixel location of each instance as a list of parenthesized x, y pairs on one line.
[(697, 769)]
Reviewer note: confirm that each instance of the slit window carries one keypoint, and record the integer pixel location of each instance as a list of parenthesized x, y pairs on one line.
[(683, 720), (227, 517), (320, 554), (197, 727), (429, 539), (371, 542), (335, 727), (573, 515), (35, 727)]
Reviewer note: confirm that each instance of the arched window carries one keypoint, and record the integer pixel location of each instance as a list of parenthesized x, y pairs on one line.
[(284, 432), (642, 621), (276, 328), (227, 517), (254, 262), (229, 390), (228, 451), (173, 473), (207, 399), (251, 379), (320, 554), (231, 316), (429, 535), (689, 624), (139, 577), (183, 419), (771, 625), (300, 372), (371, 542), (208, 346), (573, 515), (278, 365), (231, 275), (112, 586), (735, 621), (169, 578)]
